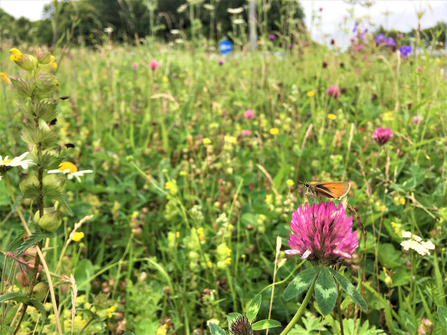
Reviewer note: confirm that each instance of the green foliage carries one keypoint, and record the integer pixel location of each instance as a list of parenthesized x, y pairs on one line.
[(325, 292), (300, 282), (312, 326)]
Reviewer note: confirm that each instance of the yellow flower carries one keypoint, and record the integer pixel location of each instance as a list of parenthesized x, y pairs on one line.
[(268, 198), (214, 125), (290, 182), (4, 77), (52, 62), (200, 231), (202, 237), (382, 208), (78, 236), (16, 55), (206, 141), (332, 116), (402, 201), (310, 94), (110, 311), (391, 147), (168, 185), (228, 252), (231, 139), (228, 261), (177, 234), (259, 42), (182, 173), (210, 265), (274, 131)]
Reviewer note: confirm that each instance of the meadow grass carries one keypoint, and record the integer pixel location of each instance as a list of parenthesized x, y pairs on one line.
[(187, 206)]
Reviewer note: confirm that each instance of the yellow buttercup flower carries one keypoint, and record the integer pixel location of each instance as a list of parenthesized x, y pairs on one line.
[(168, 185), (4, 78), (290, 182), (110, 311), (200, 231), (52, 62), (210, 265), (274, 131), (332, 116), (382, 208), (402, 201), (16, 55), (177, 234), (310, 94), (206, 141), (78, 236)]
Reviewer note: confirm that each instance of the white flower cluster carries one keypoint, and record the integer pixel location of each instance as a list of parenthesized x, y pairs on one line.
[(225, 226), (196, 213), (415, 242)]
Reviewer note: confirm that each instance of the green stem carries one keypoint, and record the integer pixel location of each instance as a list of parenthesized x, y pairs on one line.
[(301, 309)]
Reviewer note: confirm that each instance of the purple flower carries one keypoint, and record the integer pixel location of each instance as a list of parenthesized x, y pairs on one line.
[(290, 46), (380, 38), (333, 91), (134, 67), (366, 30), (174, 75), (221, 61), (405, 50), (249, 114), (272, 37), (322, 234), (417, 120), (355, 28), (382, 135), (390, 42)]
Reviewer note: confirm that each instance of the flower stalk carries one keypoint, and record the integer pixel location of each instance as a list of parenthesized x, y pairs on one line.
[(301, 309)]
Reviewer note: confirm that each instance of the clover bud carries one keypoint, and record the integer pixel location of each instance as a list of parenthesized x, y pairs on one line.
[(43, 57), (27, 62), (54, 180), (27, 181), (22, 278), (47, 210), (51, 221), (426, 325), (40, 291)]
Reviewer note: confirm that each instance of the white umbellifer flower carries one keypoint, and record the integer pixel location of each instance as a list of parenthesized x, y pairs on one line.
[(70, 170), (235, 10), (175, 31), (413, 242), (6, 164), (407, 234)]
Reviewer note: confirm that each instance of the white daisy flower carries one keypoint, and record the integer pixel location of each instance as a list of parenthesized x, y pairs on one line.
[(70, 170), (6, 164)]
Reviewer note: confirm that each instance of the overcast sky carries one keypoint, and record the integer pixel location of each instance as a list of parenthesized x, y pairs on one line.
[(403, 13)]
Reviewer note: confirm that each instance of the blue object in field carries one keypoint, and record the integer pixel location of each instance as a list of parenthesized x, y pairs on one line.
[(225, 46)]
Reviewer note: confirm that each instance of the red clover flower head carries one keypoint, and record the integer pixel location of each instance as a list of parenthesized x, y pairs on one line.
[(322, 234), (417, 120), (154, 65), (333, 91), (382, 135), (241, 326), (249, 114)]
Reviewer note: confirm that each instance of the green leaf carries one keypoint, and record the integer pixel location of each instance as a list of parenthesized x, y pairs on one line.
[(231, 317), (5, 330), (215, 329), (18, 239), (36, 237), (325, 292), (266, 324), (253, 309), (300, 282), (36, 135), (350, 290), (41, 309), (16, 203), (16, 296), (442, 315), (409, 323)]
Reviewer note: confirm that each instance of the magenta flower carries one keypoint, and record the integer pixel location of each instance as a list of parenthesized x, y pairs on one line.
[(382, 135), (417, 120), (221, 61), (400, 35), (272, 37), (419, 69), (134, 67), (154, 65), (305, 43), (290, 46), (333, 91), (322, 234), (249, 114)]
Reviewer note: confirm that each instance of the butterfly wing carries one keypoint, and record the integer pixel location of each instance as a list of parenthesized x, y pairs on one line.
[(332, 190)]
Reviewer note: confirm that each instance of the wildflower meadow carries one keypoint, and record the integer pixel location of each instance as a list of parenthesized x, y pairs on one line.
[(290, 187)]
